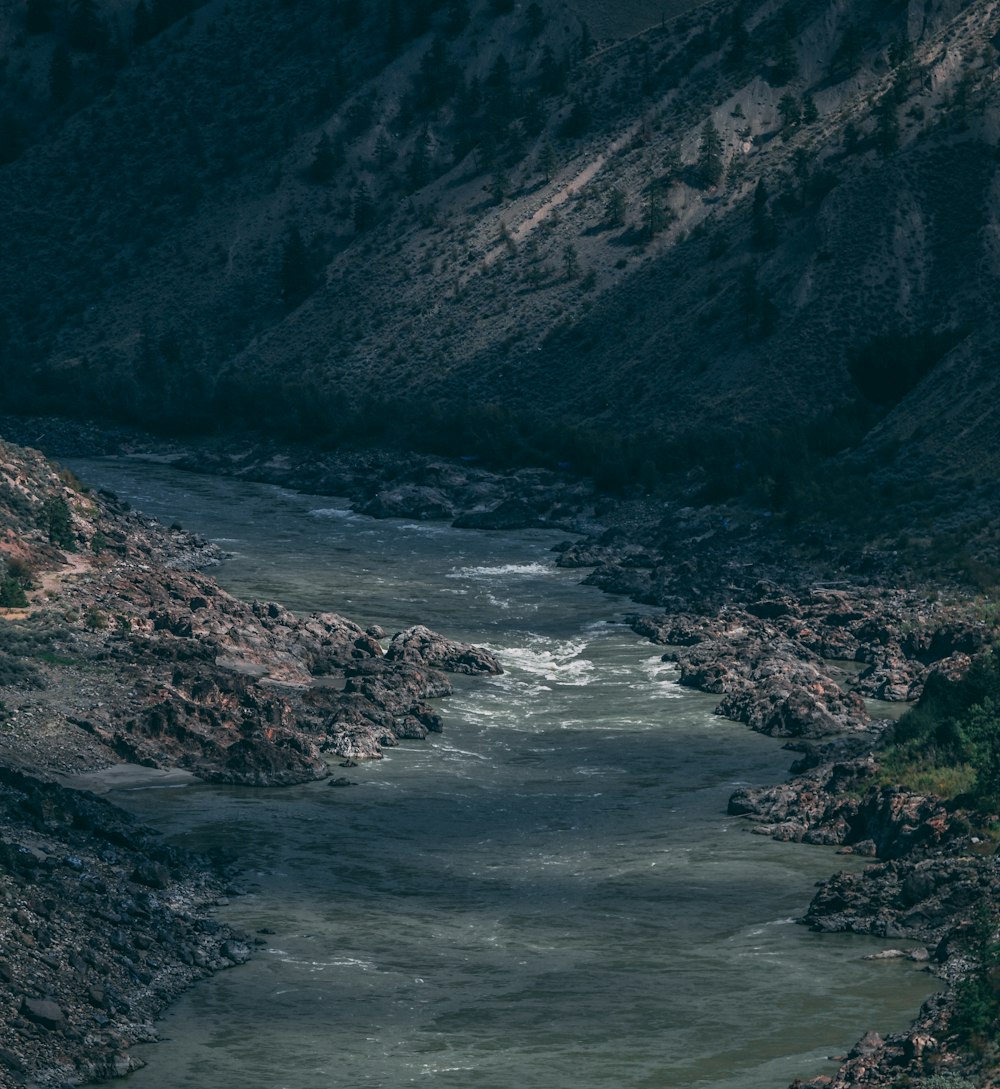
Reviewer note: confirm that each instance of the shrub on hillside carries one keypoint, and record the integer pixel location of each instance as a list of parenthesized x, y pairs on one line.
[(57, 522), (11, 593)]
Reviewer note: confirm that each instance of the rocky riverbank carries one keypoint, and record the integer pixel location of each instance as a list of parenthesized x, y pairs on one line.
[(114, 647), (102, 927), (802, 639)]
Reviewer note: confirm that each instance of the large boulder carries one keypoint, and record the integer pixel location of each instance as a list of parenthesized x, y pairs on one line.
[(421, 645), (510, 514), (409, 501)]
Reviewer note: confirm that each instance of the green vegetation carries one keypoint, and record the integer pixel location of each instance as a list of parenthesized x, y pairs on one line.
[(21, 641), (57, 522), (950, 742), (977, 1008), (94, 619), (891, 365), (15, 578), (935, 1081), (11, 593)]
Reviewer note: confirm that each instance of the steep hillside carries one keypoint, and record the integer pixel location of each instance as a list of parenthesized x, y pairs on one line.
[(735, 233)]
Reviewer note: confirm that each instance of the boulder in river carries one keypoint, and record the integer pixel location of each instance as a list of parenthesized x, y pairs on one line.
[(410, 501), (510, 514), (420, 644)]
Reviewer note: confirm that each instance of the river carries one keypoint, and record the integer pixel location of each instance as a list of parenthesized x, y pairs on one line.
[(548, 895)]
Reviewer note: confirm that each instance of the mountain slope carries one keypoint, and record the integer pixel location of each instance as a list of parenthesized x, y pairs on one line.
[(505, 236)]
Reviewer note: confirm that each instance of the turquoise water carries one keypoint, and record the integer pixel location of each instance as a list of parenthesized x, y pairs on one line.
[(548, 895)]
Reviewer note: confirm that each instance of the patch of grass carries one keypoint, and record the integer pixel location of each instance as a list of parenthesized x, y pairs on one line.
[(949, 744), (923, 771)]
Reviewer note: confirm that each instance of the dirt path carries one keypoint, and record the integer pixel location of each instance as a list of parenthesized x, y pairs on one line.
[(49, 584)]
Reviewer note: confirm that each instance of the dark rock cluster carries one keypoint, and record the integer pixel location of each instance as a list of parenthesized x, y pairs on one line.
[(101, 927)]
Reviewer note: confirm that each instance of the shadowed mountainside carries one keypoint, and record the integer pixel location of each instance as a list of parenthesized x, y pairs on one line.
[(742, 232)]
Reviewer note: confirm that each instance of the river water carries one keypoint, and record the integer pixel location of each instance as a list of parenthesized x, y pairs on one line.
[(548, 895)]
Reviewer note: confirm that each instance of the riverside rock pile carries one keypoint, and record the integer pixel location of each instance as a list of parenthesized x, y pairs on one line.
[(100, 928), (134, 657)]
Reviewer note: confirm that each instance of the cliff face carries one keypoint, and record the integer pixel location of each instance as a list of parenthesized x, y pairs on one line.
[(513, 227)]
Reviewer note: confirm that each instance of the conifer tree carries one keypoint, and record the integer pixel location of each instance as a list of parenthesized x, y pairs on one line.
[(786, 64), (571, 261), (60, 74), (810, 111), (86, 31), (419, 168), (547, 161), (657, 215), (38, 16), (363, 208), (887, 125), (142, 24), (457, 18), (617, 207), (324, 163), (790, 109), (534, 20), (297, 280), (710, 164)]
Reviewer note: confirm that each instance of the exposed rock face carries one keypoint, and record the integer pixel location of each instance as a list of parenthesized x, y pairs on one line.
[(510, 514), (906, 898), (832, 806), (410, 501), (800, 665)]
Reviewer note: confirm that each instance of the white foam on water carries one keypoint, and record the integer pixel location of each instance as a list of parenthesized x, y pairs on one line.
[(661, 679), (431, 529), (334, 512), (553, 661), (454, 750), (522, 570), (430, 1071), (655, 668), (322, 965)]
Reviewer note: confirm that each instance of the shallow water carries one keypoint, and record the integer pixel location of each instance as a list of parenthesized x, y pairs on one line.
[(548, 895)]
